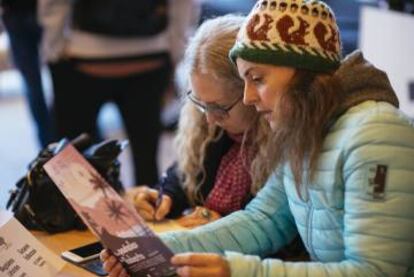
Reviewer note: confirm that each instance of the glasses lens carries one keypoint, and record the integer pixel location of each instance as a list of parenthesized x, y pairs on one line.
[(217, 113), (200, 108)]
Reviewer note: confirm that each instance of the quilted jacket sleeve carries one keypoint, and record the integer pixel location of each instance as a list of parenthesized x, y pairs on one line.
[(260, 229), (379, 227), (378, 231)]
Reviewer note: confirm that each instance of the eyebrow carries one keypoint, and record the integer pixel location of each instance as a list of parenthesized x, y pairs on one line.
[(248, 71), (203, 102), (209, 102), (214, 103)]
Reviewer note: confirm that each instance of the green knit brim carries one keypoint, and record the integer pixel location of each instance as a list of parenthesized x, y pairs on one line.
[(283, 58)]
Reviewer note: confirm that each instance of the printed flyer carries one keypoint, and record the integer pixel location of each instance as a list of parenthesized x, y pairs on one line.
[(116, 223), (21, 254)]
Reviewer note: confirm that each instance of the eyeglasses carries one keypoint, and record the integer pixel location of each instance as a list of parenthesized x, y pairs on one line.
[(219, 112)]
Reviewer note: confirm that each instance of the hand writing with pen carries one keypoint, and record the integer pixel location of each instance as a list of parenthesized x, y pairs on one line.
[(152, 204)]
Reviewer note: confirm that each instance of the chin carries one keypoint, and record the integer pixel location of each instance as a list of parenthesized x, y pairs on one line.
[(234, 132), (272, 125)]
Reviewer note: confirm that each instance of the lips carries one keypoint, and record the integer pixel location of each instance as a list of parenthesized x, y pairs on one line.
[(266, 114)]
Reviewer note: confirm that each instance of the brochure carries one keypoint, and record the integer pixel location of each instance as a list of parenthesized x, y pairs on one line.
[(21, 254), (108, 216)]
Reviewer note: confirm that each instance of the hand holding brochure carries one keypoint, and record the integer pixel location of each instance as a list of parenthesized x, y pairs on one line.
[(108, 216)]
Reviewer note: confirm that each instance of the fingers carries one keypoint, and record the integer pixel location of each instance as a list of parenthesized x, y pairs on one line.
[(111, 264), (104, 255), (200, 265), (195, 259), (191, 222), (196, 218), (214, 215), (188, 271), (108, 261), (152, 194), (164, 207), (124, 274), (143, 202), (117, 271), (145, 210)]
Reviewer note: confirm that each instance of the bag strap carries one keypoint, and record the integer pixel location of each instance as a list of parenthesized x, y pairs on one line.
[(32, 216), (15, 195)]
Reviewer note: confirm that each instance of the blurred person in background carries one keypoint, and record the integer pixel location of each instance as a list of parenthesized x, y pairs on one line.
[(24, 32), (108, 50)]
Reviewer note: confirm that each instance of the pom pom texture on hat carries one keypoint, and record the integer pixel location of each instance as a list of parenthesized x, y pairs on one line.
[(296, 33)]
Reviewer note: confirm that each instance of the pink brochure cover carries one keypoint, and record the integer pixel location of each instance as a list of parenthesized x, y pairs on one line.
[(108, 216)]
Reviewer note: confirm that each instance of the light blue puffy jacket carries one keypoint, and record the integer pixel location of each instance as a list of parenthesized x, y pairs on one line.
[(347, 227)]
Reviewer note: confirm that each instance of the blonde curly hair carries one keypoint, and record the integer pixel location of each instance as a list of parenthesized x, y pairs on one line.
[(207, 53)]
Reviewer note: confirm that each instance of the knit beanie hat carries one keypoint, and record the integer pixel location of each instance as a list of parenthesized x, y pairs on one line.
[(294, 33)]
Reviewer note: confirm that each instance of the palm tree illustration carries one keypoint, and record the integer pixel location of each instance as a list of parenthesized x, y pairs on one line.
[(2, 242), (115, 211), (98, 183)]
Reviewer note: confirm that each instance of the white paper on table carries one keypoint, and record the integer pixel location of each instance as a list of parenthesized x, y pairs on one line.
[(21, 254)]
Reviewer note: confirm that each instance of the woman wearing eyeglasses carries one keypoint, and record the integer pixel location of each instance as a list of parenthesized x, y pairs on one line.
[(220, 164)]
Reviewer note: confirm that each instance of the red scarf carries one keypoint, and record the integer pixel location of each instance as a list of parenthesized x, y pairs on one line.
[(232, 185)]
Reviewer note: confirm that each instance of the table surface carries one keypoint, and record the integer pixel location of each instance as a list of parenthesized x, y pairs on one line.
[(68, 240)]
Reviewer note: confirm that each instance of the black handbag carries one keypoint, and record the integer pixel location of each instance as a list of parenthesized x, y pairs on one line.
[(37, 202)]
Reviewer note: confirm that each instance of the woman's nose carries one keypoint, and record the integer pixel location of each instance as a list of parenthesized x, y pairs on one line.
[(211, 119), (250, 96)]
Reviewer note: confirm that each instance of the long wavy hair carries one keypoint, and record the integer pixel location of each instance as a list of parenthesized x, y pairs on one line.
[(207, 53), (302, 120)]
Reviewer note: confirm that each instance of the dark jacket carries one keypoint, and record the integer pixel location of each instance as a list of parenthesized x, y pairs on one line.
[(19, 5), (173, 187)]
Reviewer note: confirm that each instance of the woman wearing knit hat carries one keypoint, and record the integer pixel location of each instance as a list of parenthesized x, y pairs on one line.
[(343, 156)]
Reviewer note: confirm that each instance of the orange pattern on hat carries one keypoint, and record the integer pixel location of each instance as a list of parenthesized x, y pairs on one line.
[(261, 32), (284, 25), (320, 32)]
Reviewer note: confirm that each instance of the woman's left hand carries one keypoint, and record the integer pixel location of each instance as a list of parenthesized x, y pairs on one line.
[(199, 216), (201, 264)]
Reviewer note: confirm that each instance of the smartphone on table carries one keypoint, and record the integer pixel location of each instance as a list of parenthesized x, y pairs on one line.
[(87, 257)]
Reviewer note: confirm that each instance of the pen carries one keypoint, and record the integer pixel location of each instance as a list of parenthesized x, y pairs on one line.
[(160, 195)]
